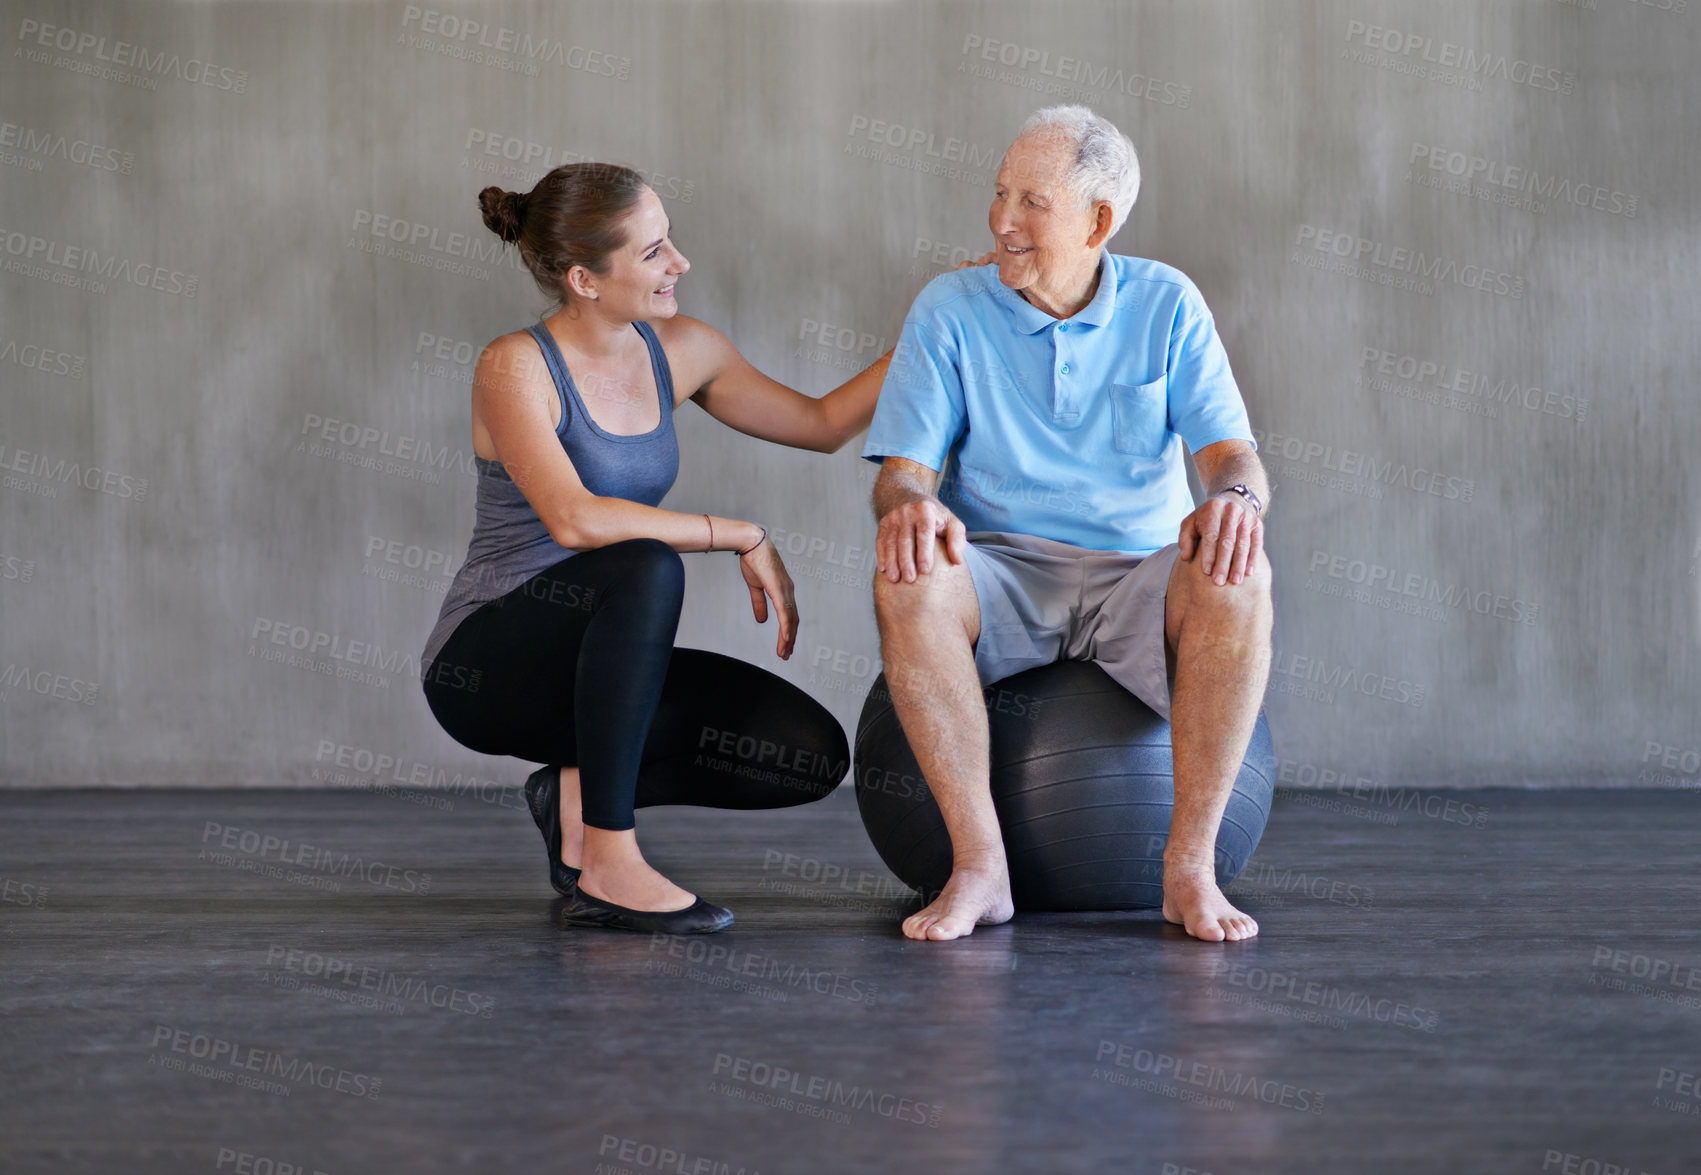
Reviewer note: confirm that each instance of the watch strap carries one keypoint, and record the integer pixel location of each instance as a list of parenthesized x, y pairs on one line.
[(1251, 497)]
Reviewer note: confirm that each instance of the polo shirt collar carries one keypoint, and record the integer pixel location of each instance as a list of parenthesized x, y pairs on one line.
[(1097, 312), (1030, 319)]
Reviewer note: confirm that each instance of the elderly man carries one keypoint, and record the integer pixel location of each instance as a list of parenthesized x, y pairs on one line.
[(1063, 384)]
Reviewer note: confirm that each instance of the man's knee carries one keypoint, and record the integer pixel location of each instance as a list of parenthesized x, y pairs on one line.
[(945, 589), (1248, 601), (1254, 583)]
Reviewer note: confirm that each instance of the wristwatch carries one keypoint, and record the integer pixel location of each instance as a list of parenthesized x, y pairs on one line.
[(1257, 506)]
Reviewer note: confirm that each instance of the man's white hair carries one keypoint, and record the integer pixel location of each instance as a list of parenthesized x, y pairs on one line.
[(1105, 168)]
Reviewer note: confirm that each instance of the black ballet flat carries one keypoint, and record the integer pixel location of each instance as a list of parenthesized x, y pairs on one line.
[(543, 797), (581, 909)]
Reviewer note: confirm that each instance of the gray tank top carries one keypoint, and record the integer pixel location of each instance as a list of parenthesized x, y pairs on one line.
[(510, 543)]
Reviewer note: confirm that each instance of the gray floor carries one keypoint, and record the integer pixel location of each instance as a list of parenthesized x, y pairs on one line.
[(1435, 989)]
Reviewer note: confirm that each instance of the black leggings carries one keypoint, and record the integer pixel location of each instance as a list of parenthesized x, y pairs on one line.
[(576, 667)]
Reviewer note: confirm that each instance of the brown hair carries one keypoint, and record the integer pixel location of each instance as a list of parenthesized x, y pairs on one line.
[(572, 217)]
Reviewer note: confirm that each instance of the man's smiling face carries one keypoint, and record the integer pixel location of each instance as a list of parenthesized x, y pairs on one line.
[(1038, 220)]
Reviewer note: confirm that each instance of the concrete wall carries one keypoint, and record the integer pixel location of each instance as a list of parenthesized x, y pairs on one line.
[(236, 407)]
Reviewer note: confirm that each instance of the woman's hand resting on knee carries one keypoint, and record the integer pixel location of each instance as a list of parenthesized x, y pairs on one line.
[(768, 580)]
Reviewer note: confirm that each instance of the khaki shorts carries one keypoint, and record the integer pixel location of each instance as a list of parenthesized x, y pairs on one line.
[(1043, 601)]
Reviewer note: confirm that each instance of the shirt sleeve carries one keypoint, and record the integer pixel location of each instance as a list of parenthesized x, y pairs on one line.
[(921, 412), (1205, 405)]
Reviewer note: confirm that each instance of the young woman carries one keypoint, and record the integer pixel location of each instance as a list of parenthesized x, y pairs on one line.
[(555, 641)]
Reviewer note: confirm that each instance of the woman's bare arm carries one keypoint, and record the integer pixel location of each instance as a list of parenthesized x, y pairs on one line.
[(726, 386), (512, 395), (729, 388)]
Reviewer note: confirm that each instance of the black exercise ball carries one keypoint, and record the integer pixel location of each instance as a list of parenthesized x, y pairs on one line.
[(1082, 782)]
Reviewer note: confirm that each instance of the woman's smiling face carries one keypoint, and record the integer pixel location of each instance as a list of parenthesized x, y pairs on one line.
[(642, 272)]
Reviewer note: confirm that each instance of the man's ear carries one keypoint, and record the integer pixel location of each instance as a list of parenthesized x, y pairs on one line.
[(1103, 217)]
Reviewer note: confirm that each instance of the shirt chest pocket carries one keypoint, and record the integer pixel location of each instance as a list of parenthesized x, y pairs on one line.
[(1140, 417)]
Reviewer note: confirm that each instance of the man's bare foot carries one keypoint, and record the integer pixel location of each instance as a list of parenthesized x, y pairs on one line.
[(572, 823), (973, 896), (1193, 901)]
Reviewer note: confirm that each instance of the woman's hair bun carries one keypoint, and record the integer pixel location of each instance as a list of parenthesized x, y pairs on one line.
[(577, 214), (503, 212)]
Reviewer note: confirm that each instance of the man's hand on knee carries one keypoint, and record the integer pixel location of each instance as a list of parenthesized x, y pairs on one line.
[(903, 547), (1227, 535)]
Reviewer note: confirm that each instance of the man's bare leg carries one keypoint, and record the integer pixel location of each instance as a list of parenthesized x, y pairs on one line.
[(927, 632), (1219, 645)]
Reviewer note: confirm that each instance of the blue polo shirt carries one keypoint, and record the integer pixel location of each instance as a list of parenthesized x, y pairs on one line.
[(1069, 429)]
